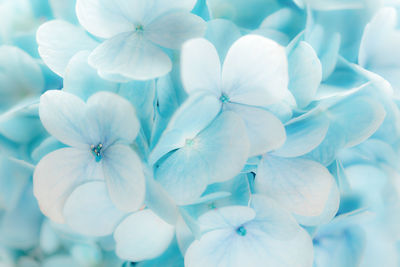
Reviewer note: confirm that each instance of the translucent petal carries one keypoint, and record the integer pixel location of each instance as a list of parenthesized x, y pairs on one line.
[(57, 174), (59, 41), (82, 80), (142, 236), (195, 114), (216, 154), (130, 55), (124, 176), (303, 134), (89, 210), (305, 72), (62, 114), (173, 29), (112, 118), (265, 131), (222, 34), (200, 67), (255, 71), (302, 186), (106, 19)]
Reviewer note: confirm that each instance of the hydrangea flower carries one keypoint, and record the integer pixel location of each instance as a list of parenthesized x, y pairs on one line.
[(253, 76), (261, 234), (99, 133), (134, 30)]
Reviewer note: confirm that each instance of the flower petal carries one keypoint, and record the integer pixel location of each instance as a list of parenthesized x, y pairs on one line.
[(200, 67), (104, 18), (130, 55), (82, 80), (124, 176), (112, 118), (89, 210), (174, 28), (305, 73), (265, 131), (216, 154), (63, 116), (255, 71), (222, 34), (59, 41), (194, 115), (301, 186), (57, 174), (303, 134), (142, 236)]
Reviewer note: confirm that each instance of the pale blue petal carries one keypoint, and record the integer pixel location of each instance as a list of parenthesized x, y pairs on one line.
[(226, 217), (89, 210), (303, 134), (216, 154), (20, 227), (195, 114), (106, 19), (123, 173), (82, 80), (200, 67), (62, 114), (48, 145), (158, 200), (327, 47), (305, 72), (142, 235), (222, 34), (14, 176), (255, 72), (130, 55), (301, 186), (57, 174), (20, 76), (59, 41), (111, 119), (265, 131), (174, 28), (357, 118), (330, 210)]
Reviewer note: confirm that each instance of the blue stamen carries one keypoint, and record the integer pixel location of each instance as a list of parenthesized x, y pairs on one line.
[(224, 98), (96, 151), (241, 231), (189, 142)]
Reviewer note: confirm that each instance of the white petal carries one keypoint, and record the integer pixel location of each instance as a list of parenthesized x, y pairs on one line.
[(63, 116), (124, 176), (302, 186), (57, 174), (130, 55), (173, 29), (106, 18), (142, 236), (89, 210), (255, 71), (59, 41), (200, 67), (265, 131)]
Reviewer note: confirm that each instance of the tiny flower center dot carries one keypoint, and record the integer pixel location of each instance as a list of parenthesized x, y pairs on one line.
[(189, 142), (138, 27), (224, 98), (96, 151), (241, 231)]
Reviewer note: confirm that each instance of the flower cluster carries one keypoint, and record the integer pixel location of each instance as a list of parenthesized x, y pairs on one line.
[(218, 133)]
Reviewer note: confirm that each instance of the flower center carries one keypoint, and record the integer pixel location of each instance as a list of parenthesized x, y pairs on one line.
[(224, 98), (96, 151), (189, 142), (139, 27), (241, 231)]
